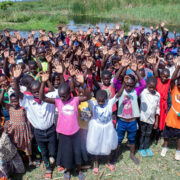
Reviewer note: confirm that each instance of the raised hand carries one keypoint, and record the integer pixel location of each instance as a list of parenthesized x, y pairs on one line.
[(24, 42), (6, 53), (33, 32), (30, 41), (162, 24), (150, 38), (152, 60), (89, 63), (72, 70), (11, 60), (58, 67), (48, 57), (6, 33), (86, 45), (17, 71), (18, 36), (13, 40), (151, 27), (33, 51), (44, 76), (105, 51), (111, 52), (134, 65), (66, 64), (131, 49), (78, 52), (125, 62)]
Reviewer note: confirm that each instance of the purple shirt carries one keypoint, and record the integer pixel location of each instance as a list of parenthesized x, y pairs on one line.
[(139, 89)]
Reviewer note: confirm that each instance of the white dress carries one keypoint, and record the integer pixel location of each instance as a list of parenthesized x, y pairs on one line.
[(101, 137)]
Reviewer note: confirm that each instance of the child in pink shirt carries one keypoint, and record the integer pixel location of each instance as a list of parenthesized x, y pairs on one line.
[(69, 146)]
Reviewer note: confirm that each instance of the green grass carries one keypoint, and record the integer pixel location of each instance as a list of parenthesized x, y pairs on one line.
[(47, 14), (150, 168)]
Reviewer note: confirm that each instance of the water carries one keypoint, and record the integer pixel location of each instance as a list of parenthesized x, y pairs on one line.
[(76, 27)]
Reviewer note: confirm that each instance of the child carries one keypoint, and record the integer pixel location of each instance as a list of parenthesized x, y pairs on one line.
[(17, 127), (150, 100), (102, 137), (172, 128), (163, 84), (128, 110), (10, 160), (69, 148), (110, 89), (41, 117)]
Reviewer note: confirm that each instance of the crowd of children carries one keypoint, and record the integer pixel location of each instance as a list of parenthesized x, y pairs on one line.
[(73, 96)]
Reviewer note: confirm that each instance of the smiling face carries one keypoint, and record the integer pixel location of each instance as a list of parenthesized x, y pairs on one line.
[(35, 90), (14, 102), (164, 76)]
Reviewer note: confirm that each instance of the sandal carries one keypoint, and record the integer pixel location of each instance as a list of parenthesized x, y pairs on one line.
[(66, 177), (81, 176), (48, 175), (111, 167), (96, 171), (60, 169)]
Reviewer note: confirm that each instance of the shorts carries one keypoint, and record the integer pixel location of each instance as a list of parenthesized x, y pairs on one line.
[(129, 127), (170, 132)]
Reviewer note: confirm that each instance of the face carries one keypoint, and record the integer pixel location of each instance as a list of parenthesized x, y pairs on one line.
[(35, 91), (33, 69), (41, 52), (3, 81), (56, 81), (151, 86), (83, 66), (64, 95), (106, 79), (164, 76), (142, 72), (129, 85), (14, 102), (23, 55), (170, 60), (156, 52), (101, 102)]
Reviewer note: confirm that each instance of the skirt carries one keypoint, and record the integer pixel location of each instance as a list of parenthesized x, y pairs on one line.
[(101, 138), (20, 134), (69, 150), (13, 166)]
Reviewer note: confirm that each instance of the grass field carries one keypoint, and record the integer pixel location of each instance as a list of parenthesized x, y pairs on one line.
[(47, 14), (150, 168)]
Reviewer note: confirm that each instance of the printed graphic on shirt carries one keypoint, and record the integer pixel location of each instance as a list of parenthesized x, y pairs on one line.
[(144, 107), (127, 110), (108, 92), (85, 114), (68, 110)]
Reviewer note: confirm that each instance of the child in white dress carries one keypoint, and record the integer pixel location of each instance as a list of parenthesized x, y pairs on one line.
[(102, 137)]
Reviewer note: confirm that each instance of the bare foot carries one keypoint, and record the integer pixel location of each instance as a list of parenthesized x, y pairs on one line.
[(134, 158)]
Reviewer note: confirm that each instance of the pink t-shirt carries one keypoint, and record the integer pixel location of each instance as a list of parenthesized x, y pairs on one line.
[(67, 123)]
